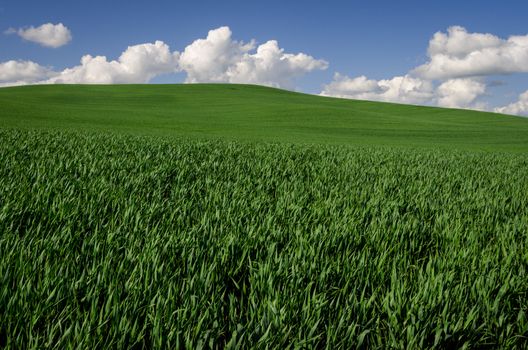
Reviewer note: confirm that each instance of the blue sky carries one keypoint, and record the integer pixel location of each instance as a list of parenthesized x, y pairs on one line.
[(376, 39)]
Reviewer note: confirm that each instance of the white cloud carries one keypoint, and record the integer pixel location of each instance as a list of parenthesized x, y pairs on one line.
[(271, 66), (460, 93), (343, 86), (461, 54), (403, 89), (49, 34), (218, 58), (138, 64), (22, 72), (518, 108), (455, 93), (207, 60), (454, 76)]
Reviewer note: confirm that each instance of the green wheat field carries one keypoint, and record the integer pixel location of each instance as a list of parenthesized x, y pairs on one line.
[(237, 217)]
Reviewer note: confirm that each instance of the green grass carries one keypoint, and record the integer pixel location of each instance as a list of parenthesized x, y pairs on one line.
[(172, 222), (243, 112)]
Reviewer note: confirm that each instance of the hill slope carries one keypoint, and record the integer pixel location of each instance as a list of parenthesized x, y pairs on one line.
[(245, 112), (113, 240)]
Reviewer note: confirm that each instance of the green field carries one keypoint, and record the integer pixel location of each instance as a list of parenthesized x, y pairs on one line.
[(248, 113), (230, 216)]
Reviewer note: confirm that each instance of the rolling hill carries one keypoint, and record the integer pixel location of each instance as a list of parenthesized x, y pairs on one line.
[(161, 216), (249, 113)]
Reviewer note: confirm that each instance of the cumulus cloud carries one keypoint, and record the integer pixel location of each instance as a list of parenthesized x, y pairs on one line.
[(403, 89), (271, 66), (518, 108), (219, 58), (49, 34), (138, 64), (207, 60), (23, 72), (453, 93), (460, 93), (454, 75), (457, 54)]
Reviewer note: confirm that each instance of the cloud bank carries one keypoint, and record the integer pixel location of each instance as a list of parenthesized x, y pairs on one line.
[(48, 35), (519, 108), (217, 58), (403, 89), (453, 76)]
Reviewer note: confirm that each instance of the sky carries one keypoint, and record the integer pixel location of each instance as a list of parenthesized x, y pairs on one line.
[(471, 54)]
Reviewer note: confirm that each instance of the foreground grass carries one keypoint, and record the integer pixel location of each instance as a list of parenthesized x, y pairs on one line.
[(122, 241)]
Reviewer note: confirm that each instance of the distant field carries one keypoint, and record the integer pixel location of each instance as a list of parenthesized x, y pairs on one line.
[(245, 112), (216, 216)]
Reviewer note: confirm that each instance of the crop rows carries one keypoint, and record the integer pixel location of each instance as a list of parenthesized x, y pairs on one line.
[(113, 241)]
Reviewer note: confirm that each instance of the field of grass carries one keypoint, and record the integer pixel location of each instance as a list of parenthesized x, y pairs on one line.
[(250, 113), (124, 232)]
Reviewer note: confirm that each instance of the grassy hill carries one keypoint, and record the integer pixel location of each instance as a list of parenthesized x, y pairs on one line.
[(245, 112), (137, 217)]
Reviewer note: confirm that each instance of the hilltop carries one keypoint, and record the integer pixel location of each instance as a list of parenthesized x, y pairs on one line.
[(255, 113)]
